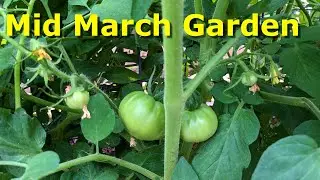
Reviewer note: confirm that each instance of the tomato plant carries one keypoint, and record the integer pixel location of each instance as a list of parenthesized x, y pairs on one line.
[(163, 107)]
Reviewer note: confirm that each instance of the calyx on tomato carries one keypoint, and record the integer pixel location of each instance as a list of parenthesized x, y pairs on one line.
[(249, 78), (198, 125), (142, 116)]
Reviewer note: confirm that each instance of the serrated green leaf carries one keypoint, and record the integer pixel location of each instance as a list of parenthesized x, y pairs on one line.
[(151, 159), (110, 9), (6, 58), (227, 153), (140, 8), (78, 3), (90, 171), (102, 120), (184, 171), (237, 7), (302, 66), (294, 157), (21, 136), (121, 75), (266, 6), (7, 3), (40, 165), (218, 72), (272, 48), (306, 34), (310, 128), (218, 93)]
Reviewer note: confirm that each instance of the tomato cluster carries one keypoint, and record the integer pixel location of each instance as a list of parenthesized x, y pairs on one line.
[(144, 119)]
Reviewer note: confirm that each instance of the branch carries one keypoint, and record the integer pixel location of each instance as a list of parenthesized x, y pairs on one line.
[(13, 163), (106, 159), (292, 101), (173, 104), (300, 5)]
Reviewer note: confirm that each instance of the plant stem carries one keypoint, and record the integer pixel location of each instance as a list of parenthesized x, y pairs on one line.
[(292, 101), (67, 58), (60, 46), (106, 159), (208, 44), (13, 163), (198, 7), (113, 105), (289, 8), (47, 103), (17, 66), (300, 5), (212, 63), (173, 104)]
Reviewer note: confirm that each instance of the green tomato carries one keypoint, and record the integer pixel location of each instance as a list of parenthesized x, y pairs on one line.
[(198, 125), (249, 78), (78, 99), (142, 116)]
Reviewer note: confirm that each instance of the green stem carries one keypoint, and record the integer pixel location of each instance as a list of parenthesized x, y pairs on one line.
[(60, 46), (212, 63), (292, 101), (47, 103), (303, 9), (186, 149), (13, 163), (113, 105), (15, 44), (289, 7), (52, 67), (208, 44), (106, 159), (198, 7), (67, 58), (173, 104), (17, 66)]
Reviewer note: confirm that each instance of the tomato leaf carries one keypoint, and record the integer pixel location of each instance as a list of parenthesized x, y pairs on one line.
[(151, 159), (294, 157), (21, 136), (40, 165), (90, 171), (225, 97), (310, 128), (227, 153), (117, 10), (184, 170), (102, 120), (302, 67), (78, 3), (121, 75), (140, 8), (6, 58)]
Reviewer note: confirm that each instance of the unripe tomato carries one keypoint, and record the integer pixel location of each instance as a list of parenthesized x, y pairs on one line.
[(249, 78), (78, 99), (198, 125), (142, 116)]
